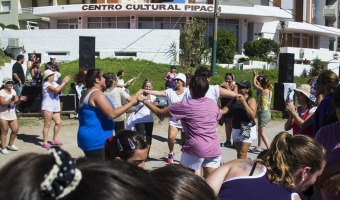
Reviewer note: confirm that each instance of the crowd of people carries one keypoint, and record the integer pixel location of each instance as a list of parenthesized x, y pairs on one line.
[(291, 166)]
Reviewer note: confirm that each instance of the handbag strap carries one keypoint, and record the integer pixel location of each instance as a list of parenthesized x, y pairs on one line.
[(252, 169)]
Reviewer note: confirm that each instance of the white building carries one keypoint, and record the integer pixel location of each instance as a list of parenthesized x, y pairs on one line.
[(310, 26)]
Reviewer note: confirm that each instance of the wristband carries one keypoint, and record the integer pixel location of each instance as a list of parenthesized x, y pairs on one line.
[(144, 101)]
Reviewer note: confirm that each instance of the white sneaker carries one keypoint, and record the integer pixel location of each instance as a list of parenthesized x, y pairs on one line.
[(13, 148), (4, 151)]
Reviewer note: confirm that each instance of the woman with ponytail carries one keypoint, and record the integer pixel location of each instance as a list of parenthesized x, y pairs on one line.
[(289, 167)]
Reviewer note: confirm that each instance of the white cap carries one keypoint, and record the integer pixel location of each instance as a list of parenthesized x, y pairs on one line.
[(181, 77), (52, 57)]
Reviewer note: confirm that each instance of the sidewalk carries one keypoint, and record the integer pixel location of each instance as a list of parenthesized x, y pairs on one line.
[(30, 139)]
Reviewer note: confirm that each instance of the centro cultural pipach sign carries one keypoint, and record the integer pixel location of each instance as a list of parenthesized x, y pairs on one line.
[(149, 7)]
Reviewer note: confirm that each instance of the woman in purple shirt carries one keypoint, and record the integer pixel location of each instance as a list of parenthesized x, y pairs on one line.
[(199, 116)]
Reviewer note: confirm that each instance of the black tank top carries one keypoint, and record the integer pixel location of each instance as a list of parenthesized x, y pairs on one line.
[(239, 114)]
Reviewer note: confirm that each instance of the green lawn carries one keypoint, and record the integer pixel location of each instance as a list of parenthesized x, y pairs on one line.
[(143, 69)]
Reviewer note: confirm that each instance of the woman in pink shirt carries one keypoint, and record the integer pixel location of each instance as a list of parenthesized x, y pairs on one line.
[(199, 116)]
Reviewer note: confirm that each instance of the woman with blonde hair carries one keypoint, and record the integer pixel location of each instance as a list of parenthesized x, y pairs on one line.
[(289, 167), (264, 89)]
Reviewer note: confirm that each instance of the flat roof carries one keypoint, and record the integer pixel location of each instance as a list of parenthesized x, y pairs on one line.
[(256, 13)]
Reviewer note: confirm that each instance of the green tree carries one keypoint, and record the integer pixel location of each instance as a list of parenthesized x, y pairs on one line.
[(226, 46), (194, 50), (12, 26), (317, 67), (260, 48)]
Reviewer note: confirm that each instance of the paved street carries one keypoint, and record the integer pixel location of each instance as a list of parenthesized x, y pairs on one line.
[(30, 138)]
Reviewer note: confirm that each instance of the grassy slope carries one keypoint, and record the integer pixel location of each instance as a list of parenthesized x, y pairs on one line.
[(144, 69), (3, 58)]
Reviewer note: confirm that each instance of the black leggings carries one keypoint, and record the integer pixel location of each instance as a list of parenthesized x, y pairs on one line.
[(146, 130), (119, 126), (95, 155)]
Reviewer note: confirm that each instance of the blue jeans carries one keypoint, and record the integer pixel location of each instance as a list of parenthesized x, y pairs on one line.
[(18, 89)]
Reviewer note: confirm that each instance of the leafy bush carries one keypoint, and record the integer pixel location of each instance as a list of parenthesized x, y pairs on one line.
[(12, 26), (260, 48), (242, 59), (2, 26), (226, 46)]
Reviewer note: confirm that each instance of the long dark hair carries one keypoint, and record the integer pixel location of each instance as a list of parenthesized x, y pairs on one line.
[(91, 76)]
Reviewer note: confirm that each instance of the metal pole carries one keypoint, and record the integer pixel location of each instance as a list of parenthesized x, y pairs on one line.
[(214, 46)]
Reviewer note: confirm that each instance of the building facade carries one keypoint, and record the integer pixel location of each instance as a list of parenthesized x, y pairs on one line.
[(308, 26)]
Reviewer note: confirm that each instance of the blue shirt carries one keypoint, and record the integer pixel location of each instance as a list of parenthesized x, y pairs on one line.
[(94, 128)]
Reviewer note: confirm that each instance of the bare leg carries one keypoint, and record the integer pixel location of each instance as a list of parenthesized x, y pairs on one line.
[(243, 149), (172, 134), (4, 131), (259, 138), (207, 171), (228, 129), (57, 120), (15, 129), (47, 123), (263, 136)]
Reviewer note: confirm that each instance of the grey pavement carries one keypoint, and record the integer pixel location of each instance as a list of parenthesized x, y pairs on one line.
[(29, 139)]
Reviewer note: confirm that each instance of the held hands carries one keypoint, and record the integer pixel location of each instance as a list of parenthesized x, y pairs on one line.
[(255, 73)]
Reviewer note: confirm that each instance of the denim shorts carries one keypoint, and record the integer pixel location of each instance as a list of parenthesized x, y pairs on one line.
[(263, 118)]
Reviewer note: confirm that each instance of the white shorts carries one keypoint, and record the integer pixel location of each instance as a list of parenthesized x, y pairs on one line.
[(195, 163), (237, 137)]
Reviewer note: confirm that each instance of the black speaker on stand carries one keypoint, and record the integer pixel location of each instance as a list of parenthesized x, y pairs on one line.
[(286, 68), (87, 52), (286, 75)]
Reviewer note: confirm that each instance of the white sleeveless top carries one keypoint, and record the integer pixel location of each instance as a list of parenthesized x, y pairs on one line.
[(173, 98)]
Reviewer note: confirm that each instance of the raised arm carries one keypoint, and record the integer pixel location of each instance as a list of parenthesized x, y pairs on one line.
[(250, 106), (257, 85), (99, 100), (225, 93), (60, 87), (293, 113)]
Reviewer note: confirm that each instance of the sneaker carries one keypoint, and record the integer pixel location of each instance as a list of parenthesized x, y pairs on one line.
[(171, 157), (56, 142), (226, 144), (12, 148), (46, 146), (4, 151), (255, 150)]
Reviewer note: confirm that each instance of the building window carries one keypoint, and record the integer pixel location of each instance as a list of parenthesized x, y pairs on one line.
[(123, 22), (67, 23), (145, 23), (108, 22), (5, 6), (66, 53), (129, 54)]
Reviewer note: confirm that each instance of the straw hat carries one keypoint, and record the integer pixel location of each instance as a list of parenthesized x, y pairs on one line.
[(304, 89), (48, 73)]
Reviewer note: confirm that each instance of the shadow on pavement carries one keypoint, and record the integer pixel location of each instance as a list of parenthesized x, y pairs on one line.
[(34, 139), (163, 139)]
